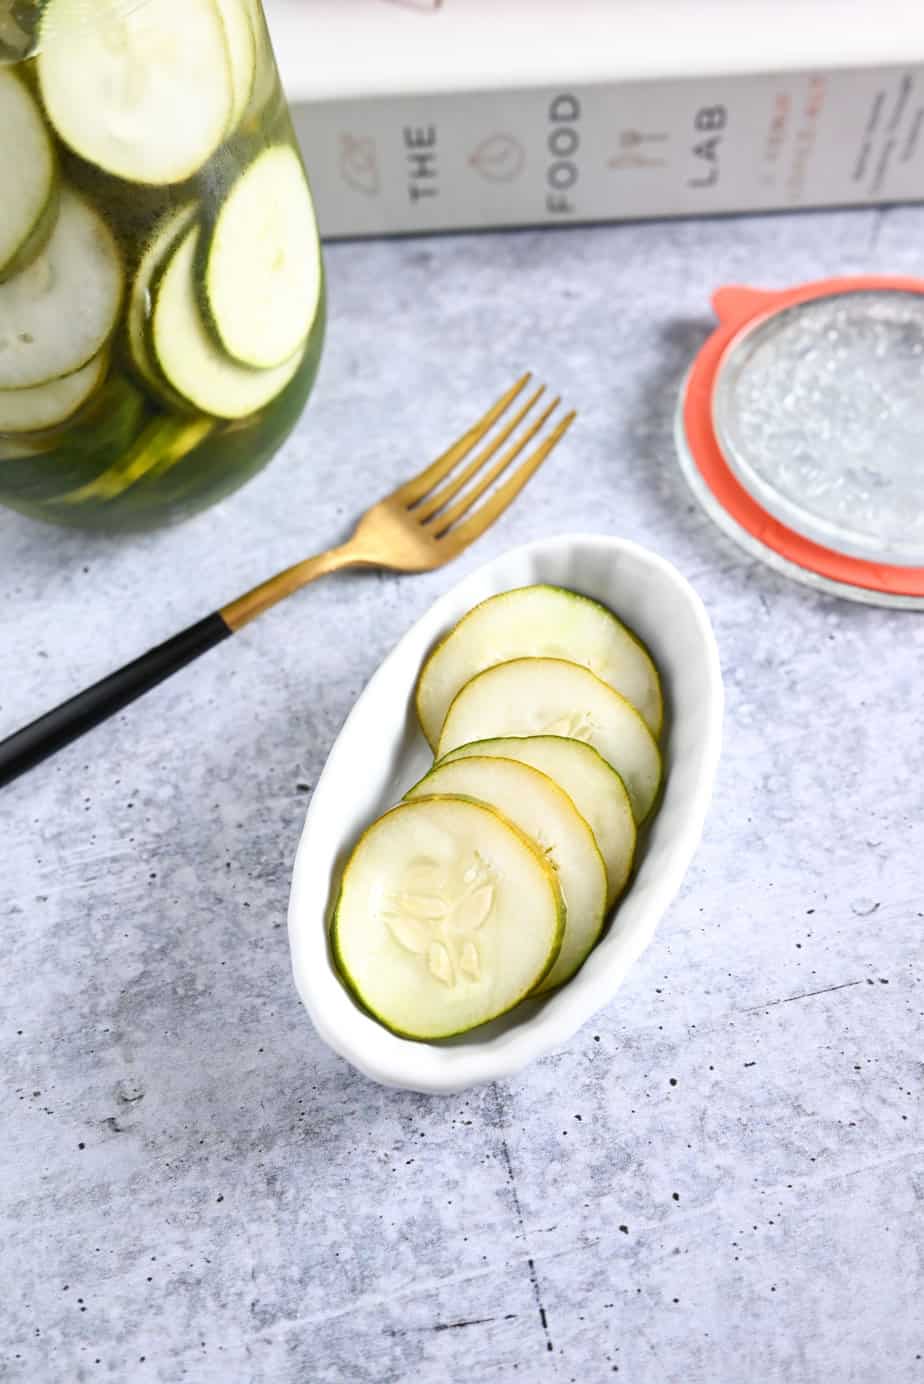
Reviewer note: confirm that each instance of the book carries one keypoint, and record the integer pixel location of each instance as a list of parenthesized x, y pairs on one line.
[(434, 115)]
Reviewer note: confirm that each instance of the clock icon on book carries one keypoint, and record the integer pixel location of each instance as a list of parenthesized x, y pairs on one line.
[(500, 158)]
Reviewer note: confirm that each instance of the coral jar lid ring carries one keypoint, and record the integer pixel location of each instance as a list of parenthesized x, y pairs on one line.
[(801, 431)]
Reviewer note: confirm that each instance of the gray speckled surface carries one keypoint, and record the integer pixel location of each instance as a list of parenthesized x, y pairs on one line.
[(722, 1177)]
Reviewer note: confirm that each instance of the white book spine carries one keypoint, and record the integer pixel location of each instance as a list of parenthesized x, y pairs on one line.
[(602, 151)]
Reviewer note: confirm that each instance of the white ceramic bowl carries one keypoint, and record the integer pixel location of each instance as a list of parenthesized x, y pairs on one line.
[(380, 753)]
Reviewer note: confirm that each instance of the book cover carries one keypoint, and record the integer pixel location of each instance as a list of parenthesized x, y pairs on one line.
[(423, 115)]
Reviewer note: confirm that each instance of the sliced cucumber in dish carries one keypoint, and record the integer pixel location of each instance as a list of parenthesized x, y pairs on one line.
[(447, 916), (47, 405), (242, 55), (594, 787), (28, 200), (537, 622), (60, 311), (186, 354), (534, 803), (263, 262), (548, 696), (144, 92)]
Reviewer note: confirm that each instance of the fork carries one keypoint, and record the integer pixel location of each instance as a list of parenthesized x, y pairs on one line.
[(425, 523)]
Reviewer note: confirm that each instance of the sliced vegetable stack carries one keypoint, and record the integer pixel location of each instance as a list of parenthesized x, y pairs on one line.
[(544, 712), (155, 226)]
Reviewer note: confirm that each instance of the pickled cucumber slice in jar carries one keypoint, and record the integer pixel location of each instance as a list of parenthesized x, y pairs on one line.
[(142, 91), (28, 169), (58, 313), (191, 361), (262, 281)]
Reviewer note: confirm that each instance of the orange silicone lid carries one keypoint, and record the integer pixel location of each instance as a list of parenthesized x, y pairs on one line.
[(739, 308)]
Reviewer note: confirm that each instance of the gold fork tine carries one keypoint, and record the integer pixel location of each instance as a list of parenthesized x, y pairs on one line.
[(445, 493), (421, 484), (446, 520), (460, 537)]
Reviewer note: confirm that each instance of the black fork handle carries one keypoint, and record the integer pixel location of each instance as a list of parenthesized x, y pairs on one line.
[(58, 727), (66, 722)]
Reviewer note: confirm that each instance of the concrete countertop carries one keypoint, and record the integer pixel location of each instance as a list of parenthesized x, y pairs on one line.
[(721, 1178)]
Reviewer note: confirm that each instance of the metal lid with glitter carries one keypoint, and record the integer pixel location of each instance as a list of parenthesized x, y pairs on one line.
[(801, 430)]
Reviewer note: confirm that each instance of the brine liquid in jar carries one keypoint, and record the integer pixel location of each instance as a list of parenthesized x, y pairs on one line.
[(161, 281)]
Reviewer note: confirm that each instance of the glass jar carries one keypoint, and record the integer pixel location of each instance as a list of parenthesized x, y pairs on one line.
[(161, 283)]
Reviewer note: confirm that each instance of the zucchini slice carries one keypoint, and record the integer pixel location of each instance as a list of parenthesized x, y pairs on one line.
[(57, 314), (547, 696), (594, 787), (29, 195), (447, 916), (263, 262), (531, 801), (144, 91), (537, 622), (46, 405), (163, 443), (242, 55), (156, 251), (185, 352)]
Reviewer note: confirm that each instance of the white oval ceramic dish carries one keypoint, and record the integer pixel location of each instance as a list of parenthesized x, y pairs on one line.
[(380, 753)]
